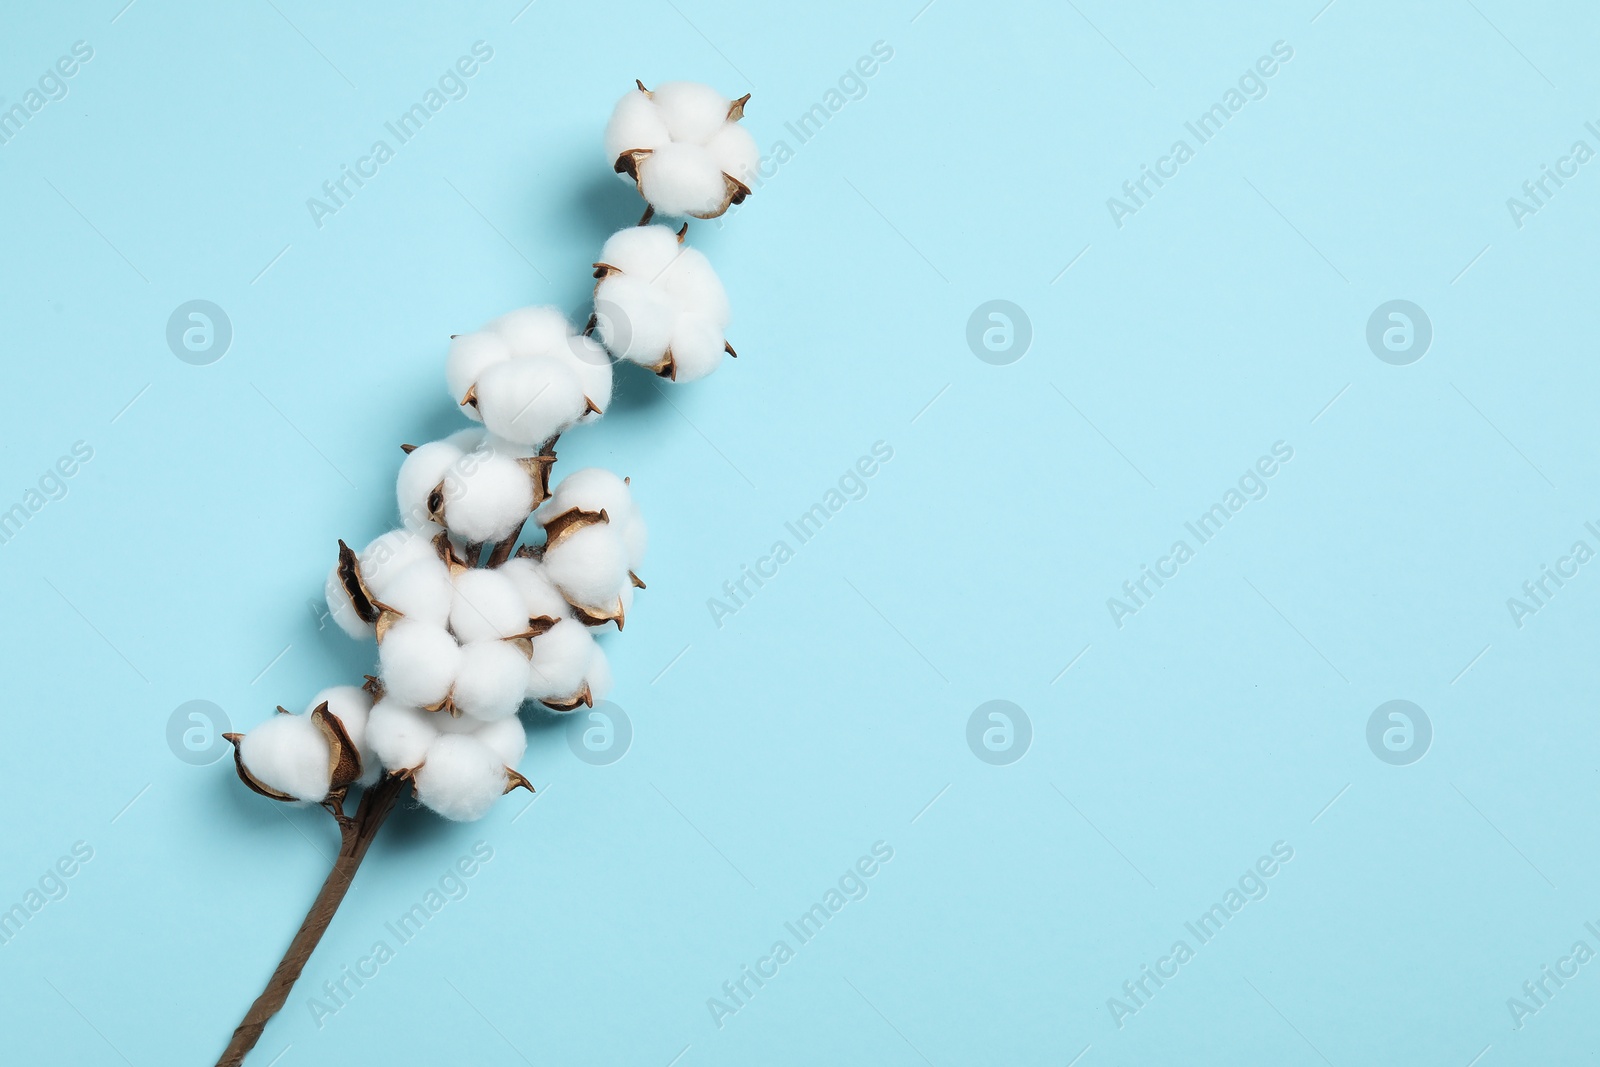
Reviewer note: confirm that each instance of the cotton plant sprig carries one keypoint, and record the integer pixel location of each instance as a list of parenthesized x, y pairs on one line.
[(490, 593)]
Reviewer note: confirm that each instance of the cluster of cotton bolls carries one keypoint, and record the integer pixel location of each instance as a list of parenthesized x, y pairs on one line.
[(470, 627)]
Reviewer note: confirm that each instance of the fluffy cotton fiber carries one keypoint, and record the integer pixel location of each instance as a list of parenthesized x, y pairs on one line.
[(494, 494), (590, 567), (422, 592), (400, 734), (418, 662), (540, 598), (597, 489), (560, 660), (460, 778), (536, 334), (289, 754), (492, 680), (529, 401)]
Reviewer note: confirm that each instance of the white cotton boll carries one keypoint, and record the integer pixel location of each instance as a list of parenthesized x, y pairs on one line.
[(351, 705), (494, 493), (632, 319), (470, 355), (598, 675), (422, 592), (461, 778), (540, 599), (420, 474), (380, 561), (532, 331), (492, 681), (590, 567), (597, 489), (642, 251), (590, 362), (289, 754), (488, 606), (635, 123), (529, 401), (389, 554), (400, 734), (697, 347), (735, 153), (682, 179), (691, 111), (560, 659), (506, 738), (418, 662), (692, 284)]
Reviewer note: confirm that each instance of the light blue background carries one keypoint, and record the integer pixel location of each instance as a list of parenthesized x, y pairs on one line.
[(1227, 314)]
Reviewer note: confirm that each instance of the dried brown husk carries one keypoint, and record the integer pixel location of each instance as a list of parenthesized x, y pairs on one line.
[(367, 607), (591, 616), (560, 527), (344, 759), (582, 698), (538, 468), (516, 781)]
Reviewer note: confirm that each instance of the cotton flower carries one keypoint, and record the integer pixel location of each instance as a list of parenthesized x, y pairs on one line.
[(418, 662), (528, 375), (597, 489), (487, 606), (461, 778), (300, 757), (492, 680), (378, 563), (423, 592), (682, 146), (544, 331), (400, 733), (586, 557), (660, 304), (556, 672), (480, 494)]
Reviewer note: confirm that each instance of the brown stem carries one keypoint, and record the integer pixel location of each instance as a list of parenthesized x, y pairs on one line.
[(649, 213), (503, 549), (356, 836)]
